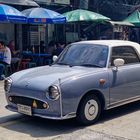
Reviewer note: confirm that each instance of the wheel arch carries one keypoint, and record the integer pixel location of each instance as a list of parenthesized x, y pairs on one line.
[(98, 94)]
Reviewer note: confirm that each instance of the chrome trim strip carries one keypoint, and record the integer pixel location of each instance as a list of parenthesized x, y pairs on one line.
[(123, 102), (61, 108), (68, 116)]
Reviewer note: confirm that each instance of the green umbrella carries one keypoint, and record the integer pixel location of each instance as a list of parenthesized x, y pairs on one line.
[(134, 18), (84, 15)]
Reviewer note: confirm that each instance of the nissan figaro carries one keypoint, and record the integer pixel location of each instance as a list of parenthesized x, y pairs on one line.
[(86, 78)]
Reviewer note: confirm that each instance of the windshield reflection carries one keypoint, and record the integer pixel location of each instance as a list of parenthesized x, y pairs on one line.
[(86, 55)]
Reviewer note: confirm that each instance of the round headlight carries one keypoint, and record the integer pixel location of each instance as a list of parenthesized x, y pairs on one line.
[(54, 92), (7, 84)]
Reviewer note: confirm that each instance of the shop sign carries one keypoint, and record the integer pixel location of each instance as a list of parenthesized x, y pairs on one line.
[(40, 20), (118, 28)]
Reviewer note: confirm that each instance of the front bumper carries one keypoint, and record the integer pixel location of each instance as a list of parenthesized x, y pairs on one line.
[(68, 116), (26, 96)]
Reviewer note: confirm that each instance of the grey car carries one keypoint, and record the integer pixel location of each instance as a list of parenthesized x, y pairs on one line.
[(87, 78)]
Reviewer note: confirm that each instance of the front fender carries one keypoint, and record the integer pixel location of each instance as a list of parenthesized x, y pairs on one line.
[(74, 89)]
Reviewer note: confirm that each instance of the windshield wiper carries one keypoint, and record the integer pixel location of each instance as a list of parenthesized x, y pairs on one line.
[(91, 65), (85, 65)]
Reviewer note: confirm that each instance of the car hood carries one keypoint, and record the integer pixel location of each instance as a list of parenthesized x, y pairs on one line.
[(42, 77)]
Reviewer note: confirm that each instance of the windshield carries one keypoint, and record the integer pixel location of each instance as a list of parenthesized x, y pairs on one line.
[(88, 55)]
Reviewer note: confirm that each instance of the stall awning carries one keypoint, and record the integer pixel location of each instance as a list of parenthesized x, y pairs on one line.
[(11, 14), (134, 18), (43, 16), (123, 23), (20, 2)]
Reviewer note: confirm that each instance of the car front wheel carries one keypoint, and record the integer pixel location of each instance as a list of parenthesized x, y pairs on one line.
[(89, 110)]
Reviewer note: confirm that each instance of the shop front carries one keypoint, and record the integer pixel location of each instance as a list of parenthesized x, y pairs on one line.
[(13, 31), (52, 31)]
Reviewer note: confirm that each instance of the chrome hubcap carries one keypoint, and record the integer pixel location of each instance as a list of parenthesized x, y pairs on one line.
[(91, 110)]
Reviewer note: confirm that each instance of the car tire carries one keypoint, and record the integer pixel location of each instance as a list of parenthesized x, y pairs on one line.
[(89, 110)]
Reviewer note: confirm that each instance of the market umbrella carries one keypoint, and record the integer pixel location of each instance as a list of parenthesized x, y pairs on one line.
[(84, 15), (79, 15), (43, 16), (10, 14), (134, 18)]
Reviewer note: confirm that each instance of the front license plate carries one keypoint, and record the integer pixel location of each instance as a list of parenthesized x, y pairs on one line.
[(24, 109)]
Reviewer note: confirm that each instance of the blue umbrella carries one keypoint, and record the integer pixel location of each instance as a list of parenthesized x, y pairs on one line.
[(10, 14), (43, 16)]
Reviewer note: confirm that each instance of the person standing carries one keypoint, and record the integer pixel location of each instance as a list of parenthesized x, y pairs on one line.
[(15, 60)]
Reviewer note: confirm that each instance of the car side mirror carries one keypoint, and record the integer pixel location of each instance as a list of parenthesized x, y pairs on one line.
[(118, 62), (55, 58)]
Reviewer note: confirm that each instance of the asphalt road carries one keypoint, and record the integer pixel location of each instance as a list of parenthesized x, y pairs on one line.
[(122, 123)]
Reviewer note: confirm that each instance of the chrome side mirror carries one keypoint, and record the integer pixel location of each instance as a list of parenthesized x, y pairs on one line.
[(55, 58), (118, 62)]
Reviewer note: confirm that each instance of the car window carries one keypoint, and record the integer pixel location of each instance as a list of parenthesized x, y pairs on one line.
[(84, 55), (127, 53)]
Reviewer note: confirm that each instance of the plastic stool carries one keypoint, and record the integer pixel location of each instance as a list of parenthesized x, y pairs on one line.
[(23, 64)]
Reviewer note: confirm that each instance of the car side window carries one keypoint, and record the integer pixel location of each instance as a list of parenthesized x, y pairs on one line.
[(127, 53)]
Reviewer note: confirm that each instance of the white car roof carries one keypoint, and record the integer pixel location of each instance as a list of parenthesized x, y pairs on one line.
[(112, 43)]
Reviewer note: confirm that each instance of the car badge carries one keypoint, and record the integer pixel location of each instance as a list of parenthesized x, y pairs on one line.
[(34, 104)]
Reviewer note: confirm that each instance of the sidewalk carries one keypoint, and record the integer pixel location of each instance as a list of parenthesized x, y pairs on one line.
[(1, 86)]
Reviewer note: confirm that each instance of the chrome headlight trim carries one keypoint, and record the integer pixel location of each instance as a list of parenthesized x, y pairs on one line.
[(7, 84), (53, 92)]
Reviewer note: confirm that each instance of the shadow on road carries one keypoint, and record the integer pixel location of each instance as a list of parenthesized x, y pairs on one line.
[(10, 118), (38, 127), (120, 111)]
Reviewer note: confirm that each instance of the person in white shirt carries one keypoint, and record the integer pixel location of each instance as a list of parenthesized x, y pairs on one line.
[(6, 60)]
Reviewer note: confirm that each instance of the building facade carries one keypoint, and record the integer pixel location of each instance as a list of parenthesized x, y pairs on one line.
[(27, 36)]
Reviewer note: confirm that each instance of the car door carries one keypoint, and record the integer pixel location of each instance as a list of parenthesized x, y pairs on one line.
[(125, 81)]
